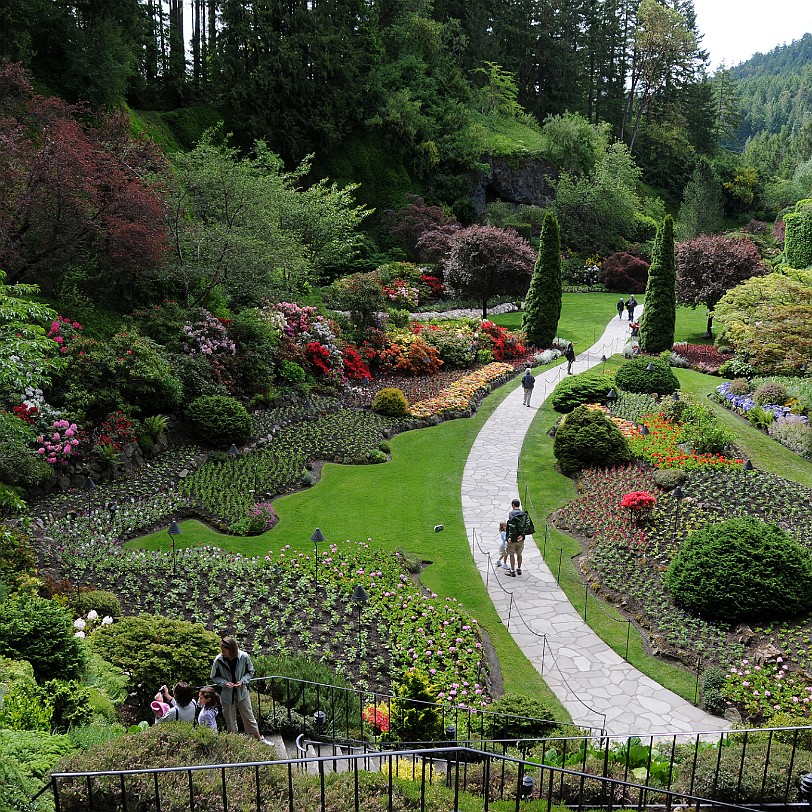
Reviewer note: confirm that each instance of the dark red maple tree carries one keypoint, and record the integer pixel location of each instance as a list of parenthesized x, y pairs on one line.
[(75, 191)]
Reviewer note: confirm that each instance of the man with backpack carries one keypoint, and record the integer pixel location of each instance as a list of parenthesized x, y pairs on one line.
[(528, 382), (519, 525)]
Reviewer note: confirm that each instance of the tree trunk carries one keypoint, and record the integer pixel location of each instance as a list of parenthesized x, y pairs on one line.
[(709, 331), (485, 309)]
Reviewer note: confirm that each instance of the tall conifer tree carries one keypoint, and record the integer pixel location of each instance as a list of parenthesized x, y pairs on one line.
[(660, 311), (542, 307)]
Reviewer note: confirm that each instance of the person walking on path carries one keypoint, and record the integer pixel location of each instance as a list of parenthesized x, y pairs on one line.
[(503, 555), (232, 670), (515, 542), (528, 382), (569, 354), (621, 306), (631, 303)]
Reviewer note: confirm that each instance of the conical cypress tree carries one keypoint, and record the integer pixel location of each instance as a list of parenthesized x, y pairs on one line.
[(542, 307), (660, 311)]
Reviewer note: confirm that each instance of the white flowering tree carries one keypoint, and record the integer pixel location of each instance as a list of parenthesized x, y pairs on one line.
[(27, 356)]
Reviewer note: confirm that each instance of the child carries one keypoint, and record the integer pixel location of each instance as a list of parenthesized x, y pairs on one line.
[(179, 706), (209, 701), (503, 556)]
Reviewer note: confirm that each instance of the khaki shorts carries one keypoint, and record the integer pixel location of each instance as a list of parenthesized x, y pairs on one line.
[(515, 547)]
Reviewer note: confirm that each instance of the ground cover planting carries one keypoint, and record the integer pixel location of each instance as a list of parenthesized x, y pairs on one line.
[(283, 603)]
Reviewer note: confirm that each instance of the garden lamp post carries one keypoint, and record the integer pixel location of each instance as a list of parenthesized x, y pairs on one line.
[(319, 721), (359, 598), (611, 397), (644, 430), (748, 466), (89, 483), (233, 452), (650, 367), (806, 788), (174, 530), (527, 787), (675, 396), (317, 537)]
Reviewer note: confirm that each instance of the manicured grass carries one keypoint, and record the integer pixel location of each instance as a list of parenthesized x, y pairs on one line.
[(584, 317), (545, 490), (765, 453), (691, 325)]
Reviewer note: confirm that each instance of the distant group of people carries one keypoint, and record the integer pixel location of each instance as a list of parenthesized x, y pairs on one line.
[(231, 672), (629, 306)]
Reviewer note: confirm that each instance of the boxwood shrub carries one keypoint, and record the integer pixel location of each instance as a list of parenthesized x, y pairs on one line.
[(588, 387), (391, 402), (218, 420), (586, 438), (740, 569), (634, 376)]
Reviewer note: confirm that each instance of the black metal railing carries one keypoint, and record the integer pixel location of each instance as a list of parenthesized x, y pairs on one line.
[(435, 777)]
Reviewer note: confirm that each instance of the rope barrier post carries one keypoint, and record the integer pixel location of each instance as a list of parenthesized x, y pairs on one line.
[(543, 652), (586, 597), (560, 553), (510, 609), (628, 634), (488, 573), (696, 686)]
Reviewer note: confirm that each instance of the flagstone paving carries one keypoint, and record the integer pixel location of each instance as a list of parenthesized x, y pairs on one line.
[(596, 686)]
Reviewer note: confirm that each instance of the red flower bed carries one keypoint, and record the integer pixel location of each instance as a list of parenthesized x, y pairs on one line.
[(702, 357)]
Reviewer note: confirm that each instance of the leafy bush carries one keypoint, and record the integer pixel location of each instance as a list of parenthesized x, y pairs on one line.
[(586, 437), (19, 464), (736, 367), (769, 392), (741, 569), (625, 271), (634, 376), (794, 433), (703, 432), (413, 721), (670, 478), (739, 386), (102, 601), (155, 650), (716, 775), (455, 348), (588, 387), (391, 402), (195, 376), (633, 406), (219, 420), (376, 457), (513, 716), (170, 746), (713, 700), (760, 418), (41, 631), (17, 557), (292, 374)]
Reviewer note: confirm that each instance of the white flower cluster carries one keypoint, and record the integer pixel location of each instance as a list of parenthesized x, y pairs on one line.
[(84, 626)]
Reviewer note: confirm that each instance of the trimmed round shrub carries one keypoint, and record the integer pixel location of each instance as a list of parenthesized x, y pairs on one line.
[(102, 601), (741, 569), (219, 420), (588, 387), (41, 631), (375, 457), (455, 349), (587, 438), (391, 402), (292, 373), (771, 393), (670, 478), (739, 386), (634, 376)]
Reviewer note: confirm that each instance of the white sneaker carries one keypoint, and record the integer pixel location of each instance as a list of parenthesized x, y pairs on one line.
[(263, 740)]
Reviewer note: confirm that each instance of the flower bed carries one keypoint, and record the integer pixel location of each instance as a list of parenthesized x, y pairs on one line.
[(701, 357), (462, 394)]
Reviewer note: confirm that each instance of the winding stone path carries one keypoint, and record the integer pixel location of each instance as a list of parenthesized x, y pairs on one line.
[(597, 687)]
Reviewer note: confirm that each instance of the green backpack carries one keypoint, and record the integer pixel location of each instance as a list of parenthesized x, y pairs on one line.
[(520, 525)]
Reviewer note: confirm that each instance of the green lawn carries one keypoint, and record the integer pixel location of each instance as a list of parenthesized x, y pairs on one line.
[(691, 325)]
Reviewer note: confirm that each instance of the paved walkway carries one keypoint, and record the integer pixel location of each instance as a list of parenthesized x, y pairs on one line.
[(597, 687)]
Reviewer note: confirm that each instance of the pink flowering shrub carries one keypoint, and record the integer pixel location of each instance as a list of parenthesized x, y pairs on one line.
[(207, 336), (759, 692), (377, 717), (401, 292), (262, 517), (63, 331), (638, 501), (61, 446)]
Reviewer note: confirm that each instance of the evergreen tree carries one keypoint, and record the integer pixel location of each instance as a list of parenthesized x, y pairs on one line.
[(701, 210), (660, 312), (542, 307)]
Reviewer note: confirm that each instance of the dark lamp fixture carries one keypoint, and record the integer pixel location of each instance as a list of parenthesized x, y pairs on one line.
[(675, 396), (359, 595), (650, 367), (89, 483), (233, 451), (451, 732), (317, 536), (806, 788), (603, 359), (611, 395), (677, 493), (748, 466), (319, 719), (528, 785), (644, 430), (174, 529)]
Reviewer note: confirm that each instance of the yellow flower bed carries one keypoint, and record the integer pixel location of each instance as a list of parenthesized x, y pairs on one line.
[(459, 395)]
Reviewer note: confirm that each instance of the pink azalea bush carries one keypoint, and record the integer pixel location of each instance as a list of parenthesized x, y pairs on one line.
[(61, 446)]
